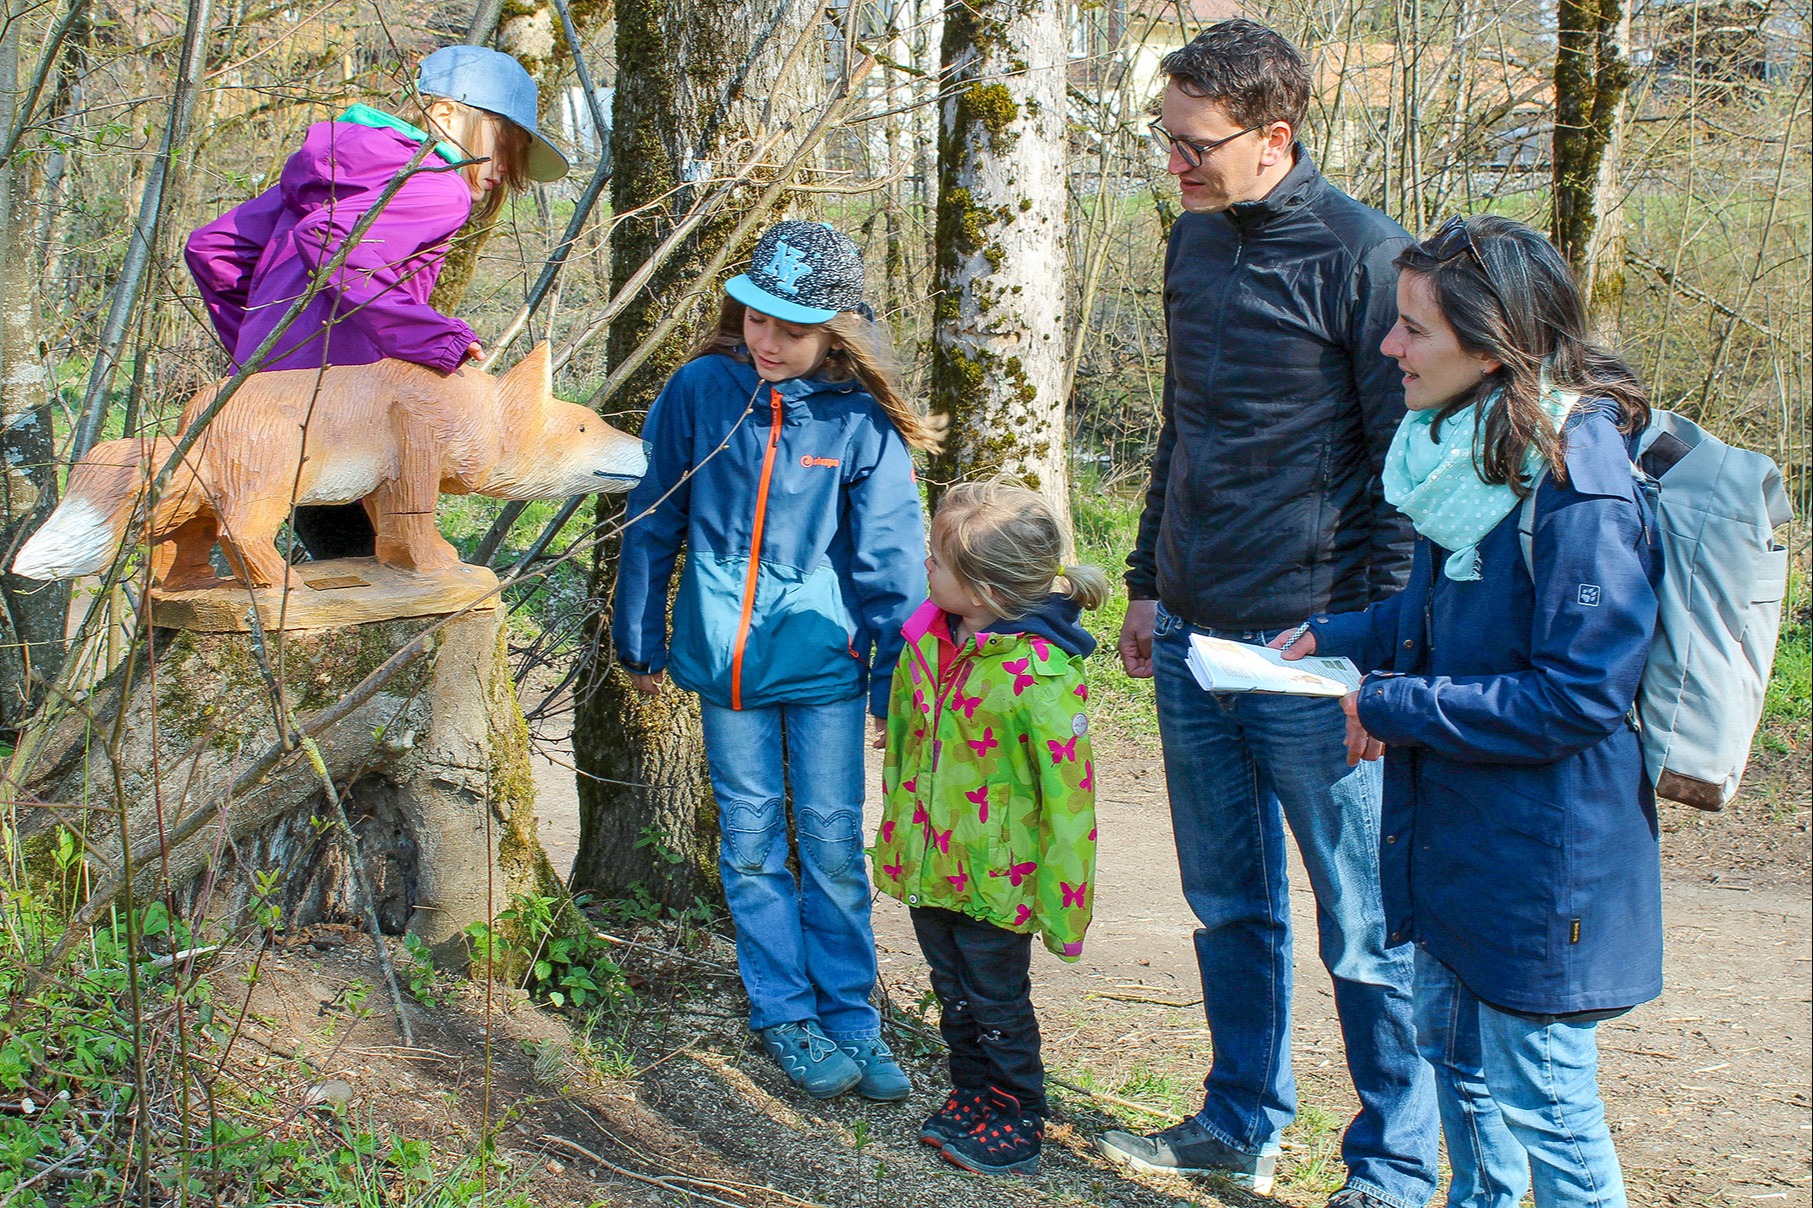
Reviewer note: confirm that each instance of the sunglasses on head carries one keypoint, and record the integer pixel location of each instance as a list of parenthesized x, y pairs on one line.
[(1193, 150), (1451, 240)]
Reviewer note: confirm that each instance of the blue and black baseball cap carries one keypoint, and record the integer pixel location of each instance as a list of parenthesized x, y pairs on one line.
[(495, 82), (801, 272)]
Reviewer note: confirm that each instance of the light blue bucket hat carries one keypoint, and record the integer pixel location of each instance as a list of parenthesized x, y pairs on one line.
[(495, 82)]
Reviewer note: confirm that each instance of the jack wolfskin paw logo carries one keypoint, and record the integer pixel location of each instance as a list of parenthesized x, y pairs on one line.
[(1589, 595), (787, 267)]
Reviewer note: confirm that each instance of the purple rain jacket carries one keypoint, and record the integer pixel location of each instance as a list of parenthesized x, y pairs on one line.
[(254, 261)]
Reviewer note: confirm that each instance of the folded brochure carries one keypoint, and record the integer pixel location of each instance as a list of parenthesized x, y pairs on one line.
[(1223, 666)]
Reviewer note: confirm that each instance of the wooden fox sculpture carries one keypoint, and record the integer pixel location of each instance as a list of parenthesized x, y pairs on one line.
[(392, 435)]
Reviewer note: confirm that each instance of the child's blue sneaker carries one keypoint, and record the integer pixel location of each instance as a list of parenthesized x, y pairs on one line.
[(812, 1060), (882, 1078)]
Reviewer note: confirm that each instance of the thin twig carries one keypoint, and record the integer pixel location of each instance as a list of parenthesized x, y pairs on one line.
[(361, 883), (53, 47), (758, 212)]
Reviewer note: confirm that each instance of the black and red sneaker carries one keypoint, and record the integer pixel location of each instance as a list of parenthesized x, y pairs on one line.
[(1007, 1142), (962, 1111)]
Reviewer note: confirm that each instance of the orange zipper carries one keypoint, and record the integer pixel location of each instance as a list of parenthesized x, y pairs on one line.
[(755, 555)]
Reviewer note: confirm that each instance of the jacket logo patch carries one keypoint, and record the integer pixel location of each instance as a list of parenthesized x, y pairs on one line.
[(1589, 595), (829, 462)]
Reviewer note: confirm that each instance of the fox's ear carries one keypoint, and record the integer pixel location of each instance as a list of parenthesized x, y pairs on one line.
[(524, 390)]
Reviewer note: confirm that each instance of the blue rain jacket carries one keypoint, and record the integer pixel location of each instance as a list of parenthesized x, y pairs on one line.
[(805, 543), (1519, 840)]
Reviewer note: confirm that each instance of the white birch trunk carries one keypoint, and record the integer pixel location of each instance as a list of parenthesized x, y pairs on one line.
[(998, 344)]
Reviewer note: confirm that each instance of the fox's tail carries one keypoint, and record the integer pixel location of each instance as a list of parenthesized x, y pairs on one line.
[(85, 531)]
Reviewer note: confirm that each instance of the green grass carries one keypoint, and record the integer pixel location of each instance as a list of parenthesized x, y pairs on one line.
[(1314, 1159), (74, 1056), (1778, 753), (1106, 524), (1788, 703)]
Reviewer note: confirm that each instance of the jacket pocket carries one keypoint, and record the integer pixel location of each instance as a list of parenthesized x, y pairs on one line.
[(1490, 862), (798, 646), (1008, 886)]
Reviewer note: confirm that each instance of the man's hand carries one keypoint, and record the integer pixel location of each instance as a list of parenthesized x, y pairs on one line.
[(1303, 647), (648, 685), (1135, 644), (1360, 744)]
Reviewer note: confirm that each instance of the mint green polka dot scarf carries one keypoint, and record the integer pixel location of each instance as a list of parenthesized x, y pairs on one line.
[(1435, 481)]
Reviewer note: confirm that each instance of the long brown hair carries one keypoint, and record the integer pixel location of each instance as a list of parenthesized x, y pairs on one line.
[(860, 352), (1509, 295), (510, 153)]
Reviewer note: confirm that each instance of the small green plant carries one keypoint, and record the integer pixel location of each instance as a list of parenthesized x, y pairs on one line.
[(651, 840), (606, 1056), (571, 969), (426, 983)]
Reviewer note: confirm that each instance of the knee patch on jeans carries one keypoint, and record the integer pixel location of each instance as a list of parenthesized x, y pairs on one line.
[(831, 841), (749, 833)]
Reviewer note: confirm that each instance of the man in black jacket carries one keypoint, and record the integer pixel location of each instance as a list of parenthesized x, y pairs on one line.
[(1265, 506)]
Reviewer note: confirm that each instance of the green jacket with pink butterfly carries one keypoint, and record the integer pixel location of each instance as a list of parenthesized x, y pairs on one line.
[(989, 782)]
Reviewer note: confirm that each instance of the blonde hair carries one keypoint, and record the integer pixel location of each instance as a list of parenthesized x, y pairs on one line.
[(1003, 541), (510, 152), (860, 351)]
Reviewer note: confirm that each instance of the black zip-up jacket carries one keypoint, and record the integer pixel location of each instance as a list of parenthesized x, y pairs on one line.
[(1265, 503)]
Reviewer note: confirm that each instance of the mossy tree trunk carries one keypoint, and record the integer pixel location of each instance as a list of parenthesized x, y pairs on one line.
[(434, 769), (31, 613), (998, 339), (695, 84), (1592, 76)]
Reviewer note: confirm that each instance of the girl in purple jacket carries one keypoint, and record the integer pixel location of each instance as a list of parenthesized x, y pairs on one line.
[(255, 260)]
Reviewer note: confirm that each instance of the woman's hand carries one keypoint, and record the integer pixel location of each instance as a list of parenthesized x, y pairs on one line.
[(1294, 644), (880, 726), (648, 685), (1360, 744)]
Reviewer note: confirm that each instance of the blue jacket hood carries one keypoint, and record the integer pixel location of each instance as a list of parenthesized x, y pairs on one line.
[(1057, 619)]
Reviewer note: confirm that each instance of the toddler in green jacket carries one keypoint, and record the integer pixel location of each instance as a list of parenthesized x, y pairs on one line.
[(988, 821)]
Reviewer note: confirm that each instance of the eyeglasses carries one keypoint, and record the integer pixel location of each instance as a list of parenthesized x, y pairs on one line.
[(1453, 239), (1192, 150)]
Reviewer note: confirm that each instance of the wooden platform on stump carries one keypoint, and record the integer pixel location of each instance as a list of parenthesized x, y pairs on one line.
[(339, 591)]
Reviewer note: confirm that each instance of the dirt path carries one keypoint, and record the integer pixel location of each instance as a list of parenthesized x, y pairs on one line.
[(1707, 1087)]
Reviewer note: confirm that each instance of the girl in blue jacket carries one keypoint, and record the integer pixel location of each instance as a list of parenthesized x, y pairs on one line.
[(780, 462), (1519, 846)]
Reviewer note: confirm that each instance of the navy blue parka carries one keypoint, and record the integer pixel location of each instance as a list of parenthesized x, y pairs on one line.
[(1519, 840)]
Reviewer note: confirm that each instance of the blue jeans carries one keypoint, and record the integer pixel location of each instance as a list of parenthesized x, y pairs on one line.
[(805, 948), (1239, 767), (1519, 1101)]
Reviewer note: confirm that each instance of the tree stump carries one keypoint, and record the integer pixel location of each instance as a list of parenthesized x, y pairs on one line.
[(433, 769)]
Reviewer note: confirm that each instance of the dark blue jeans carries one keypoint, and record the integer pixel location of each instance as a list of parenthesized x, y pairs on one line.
[(1239, 767)]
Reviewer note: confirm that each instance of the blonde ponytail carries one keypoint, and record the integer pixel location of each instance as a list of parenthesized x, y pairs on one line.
[(1087, 585)]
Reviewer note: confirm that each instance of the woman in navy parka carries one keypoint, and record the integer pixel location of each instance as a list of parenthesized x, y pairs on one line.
[(1519, 846)]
